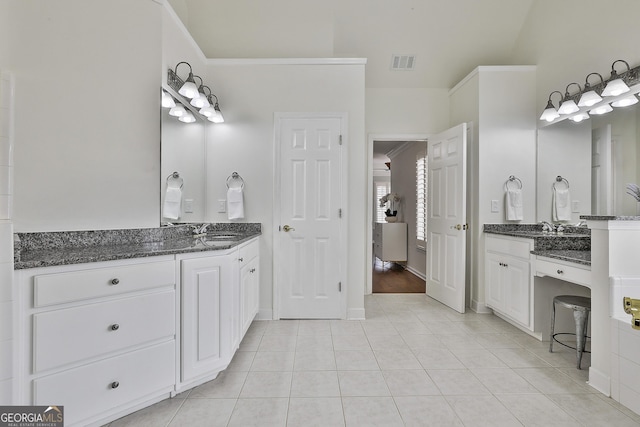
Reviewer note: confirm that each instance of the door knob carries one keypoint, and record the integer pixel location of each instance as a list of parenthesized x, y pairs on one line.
[(287, 228)]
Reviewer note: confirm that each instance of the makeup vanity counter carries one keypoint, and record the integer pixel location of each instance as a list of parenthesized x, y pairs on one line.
[(518, 260), (112, 321)]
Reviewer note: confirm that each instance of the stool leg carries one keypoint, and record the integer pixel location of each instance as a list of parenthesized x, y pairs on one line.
[(580, 317), (553, 322)]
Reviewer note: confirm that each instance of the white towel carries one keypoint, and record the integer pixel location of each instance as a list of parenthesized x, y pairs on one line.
[(514, 204), (561, 204), (235, 203), (172, 207)]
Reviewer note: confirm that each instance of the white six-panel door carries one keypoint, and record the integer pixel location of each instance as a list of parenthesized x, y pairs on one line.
[(446, 220), (309, 248)]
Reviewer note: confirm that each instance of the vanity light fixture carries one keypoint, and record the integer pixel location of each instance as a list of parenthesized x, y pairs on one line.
[(200, 100), (590, 97), (602, 109), (550, 113), (178, 110), (167, 100), (616, 85), (188, 88), (625, 102), (579, 117), (187, 117), (568, 105)]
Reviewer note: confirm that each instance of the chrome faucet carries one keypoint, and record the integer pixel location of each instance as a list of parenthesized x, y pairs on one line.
[(582, 223), (546, 227), (199, 230)]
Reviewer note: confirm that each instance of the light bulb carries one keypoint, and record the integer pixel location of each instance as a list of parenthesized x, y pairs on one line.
[(625, 102), (167, 100), (589, 99), (579, 117), (615, 87), (177, 111), (187, 117), (603, 109)]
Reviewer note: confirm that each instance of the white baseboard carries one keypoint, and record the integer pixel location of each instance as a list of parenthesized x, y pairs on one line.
[(416, 273), (480, 307), (355, 314), (599, 381)]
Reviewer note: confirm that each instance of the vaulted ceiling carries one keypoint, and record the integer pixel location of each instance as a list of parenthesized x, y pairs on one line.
[(449, 37)]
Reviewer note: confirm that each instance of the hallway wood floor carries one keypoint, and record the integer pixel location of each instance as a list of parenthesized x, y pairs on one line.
[(389, 277)]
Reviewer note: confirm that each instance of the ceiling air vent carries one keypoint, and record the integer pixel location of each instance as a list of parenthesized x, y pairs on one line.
[(403, 62)]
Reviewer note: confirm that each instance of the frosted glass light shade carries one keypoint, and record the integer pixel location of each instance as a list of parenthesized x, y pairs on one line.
[(217, 117), (615, 87), (177, 111), (625, 102), (189, 88), (579, 117), (207, 111), (167, 100), (200, 101), (569, 106), (187, 117), (589, 98), (549, 114), (603, 109)]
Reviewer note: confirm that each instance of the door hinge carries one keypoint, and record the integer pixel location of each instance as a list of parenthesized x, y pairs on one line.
[(340, 140), (339, 286), (340, 213)]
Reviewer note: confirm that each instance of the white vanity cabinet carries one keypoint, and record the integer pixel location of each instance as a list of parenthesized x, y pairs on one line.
[(249, 260), (219, 300), (508, 278), (207, 311), (97, 338)]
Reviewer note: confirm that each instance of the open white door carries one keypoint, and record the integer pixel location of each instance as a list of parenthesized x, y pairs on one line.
[(446, 220), (308, 212), (601, 171)]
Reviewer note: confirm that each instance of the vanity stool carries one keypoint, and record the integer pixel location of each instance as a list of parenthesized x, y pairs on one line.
[(581, 307)]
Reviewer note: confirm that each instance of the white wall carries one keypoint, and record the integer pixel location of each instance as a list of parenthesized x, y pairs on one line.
[(86, 112), (250, 94)]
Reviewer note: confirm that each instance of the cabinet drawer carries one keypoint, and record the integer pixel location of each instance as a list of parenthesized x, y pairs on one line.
[(563, 271), (88, 391), (78, 285), (249, 251), (69, 335), (520, 248)]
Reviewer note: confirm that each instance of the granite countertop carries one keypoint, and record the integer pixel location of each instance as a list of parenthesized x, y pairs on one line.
[(610, 217), (573, 245), (47, 249)]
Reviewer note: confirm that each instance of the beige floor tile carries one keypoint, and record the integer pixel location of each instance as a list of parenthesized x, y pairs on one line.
[(456, 382), (482, 411), (396, 359), (410, 383), (478, 358), (267, 384), (417, 328), (503, 380), (371, 411), (496, 340), (536, 410), (314, 343), (315, 412), (259, 413), (159, 414), (314, 327), (241, 361), (315, 384), (350, 342), (381, 342), (519, 358), (227, 385), (372, 328), (423, 341), (362, 383), (460, 342), (278, 343), (438, 358), (346, 327), (282, 327), (426, 411), (250, 342), (279, 361), (352, 360), (204, 412), (591, 411), (314, 361), (552, 381)]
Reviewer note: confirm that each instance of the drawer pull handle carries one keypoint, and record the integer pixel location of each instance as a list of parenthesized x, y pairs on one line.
[(240, 259), (560, 271), (115, 384), (115, 281), (115, 327)]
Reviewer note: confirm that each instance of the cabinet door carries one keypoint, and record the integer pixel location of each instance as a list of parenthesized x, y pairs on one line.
[(249, 293), (494, 290), (207, 311), (517, 290)]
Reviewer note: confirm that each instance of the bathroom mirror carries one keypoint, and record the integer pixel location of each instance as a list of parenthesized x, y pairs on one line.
[(598, 157), (182, 150)]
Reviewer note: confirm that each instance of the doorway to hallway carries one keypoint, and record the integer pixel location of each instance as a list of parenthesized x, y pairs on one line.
[(391, 277)]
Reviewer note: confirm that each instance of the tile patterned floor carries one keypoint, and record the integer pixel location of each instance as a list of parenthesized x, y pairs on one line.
[(413, 362)]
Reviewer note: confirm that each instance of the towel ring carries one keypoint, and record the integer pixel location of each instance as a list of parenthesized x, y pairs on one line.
[(513, 179), (560, 179), (175, 176), (235, 177)]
